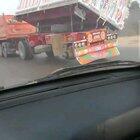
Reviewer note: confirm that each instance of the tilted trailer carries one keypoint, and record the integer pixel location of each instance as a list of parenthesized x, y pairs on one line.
[(81, 29)]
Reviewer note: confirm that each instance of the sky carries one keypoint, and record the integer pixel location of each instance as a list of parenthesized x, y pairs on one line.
[(8, 6)]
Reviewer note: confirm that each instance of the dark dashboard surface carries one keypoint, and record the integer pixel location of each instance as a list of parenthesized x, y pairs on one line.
[(68, 107)]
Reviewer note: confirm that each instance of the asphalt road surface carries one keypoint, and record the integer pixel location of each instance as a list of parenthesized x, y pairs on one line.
[(15, 71), (129, 37)]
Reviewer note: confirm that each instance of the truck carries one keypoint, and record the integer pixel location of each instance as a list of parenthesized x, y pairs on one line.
[(19, 38), (81, 29)]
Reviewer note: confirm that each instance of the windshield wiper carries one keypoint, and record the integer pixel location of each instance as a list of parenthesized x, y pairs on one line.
[(92, 67)]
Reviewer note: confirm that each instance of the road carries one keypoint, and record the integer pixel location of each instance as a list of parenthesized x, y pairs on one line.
[(15, 71), (129, 40)]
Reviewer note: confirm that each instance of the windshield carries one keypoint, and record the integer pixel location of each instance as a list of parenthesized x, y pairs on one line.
[(59, 34)]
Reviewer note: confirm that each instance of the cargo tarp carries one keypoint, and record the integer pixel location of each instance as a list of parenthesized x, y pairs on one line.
[(112, 11)]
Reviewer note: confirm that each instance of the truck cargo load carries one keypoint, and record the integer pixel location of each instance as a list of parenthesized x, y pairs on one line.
[(111, 12), (10, 28)]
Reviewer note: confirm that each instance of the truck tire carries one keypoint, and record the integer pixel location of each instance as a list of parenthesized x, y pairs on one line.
[(5, 46), (1, 53), (66, 55), (24, 50), (69, 52), (49, 52)]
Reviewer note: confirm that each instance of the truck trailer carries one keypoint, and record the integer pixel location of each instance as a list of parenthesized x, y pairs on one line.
[(81, 29), (19, 37)]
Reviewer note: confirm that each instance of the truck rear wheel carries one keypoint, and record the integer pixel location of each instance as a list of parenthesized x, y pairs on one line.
[(5, 46), (49, 52), (1, 53), (68, 51), (24, 50)]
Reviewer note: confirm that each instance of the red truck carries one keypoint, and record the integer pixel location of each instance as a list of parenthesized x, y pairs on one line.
[(81, 29), (19, 37)]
